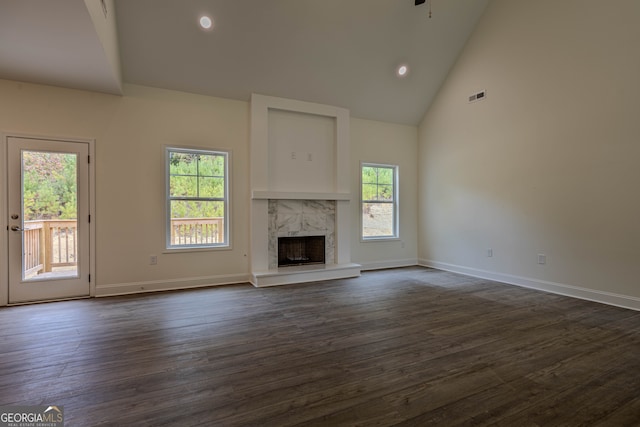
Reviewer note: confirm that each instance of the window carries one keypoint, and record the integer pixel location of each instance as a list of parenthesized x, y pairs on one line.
[(379, 201), (197, 198)]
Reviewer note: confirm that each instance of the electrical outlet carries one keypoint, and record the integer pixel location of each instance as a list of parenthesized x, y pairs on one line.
[(542, 259), (489, 252), (294, 155), (153, 259)]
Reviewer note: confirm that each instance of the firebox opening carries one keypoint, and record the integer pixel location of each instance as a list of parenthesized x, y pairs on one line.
[(300, 250)]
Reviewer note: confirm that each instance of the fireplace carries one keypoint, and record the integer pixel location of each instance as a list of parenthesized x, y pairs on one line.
[(301, 250), (300, 184)]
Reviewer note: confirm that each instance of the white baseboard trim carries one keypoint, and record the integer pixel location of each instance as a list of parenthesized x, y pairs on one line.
[(618, 300), (169, 285), (396, 263)]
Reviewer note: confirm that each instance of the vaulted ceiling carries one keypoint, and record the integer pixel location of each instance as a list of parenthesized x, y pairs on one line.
[(338, 52)]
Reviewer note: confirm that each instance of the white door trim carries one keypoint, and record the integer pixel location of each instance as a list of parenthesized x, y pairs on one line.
[(4, 230), (4, 224)]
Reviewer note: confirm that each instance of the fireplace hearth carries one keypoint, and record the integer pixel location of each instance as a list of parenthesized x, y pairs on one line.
[(301, 250)]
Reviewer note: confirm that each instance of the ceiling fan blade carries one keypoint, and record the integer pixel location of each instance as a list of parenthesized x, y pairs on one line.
[(419, 2)]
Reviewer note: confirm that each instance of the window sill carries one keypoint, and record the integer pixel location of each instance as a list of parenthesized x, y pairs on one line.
[(196, 249), (380, 239)]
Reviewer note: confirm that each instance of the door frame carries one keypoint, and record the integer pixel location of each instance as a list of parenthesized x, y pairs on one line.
[(4, 221)]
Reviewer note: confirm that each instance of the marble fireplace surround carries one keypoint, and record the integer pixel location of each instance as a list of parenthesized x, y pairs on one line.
[(301, 218), (299, 215), (300, 185)]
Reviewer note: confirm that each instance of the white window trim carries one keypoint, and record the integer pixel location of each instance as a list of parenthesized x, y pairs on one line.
[(227, 213), (396, 203)]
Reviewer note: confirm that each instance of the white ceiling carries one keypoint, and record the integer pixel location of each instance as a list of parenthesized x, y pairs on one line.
[(337, 52), (55, 43)]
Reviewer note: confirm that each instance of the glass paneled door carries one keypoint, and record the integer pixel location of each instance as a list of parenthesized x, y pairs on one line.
[(48, 208)]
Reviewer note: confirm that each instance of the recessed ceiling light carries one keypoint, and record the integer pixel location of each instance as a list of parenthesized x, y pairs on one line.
[(206, 23), (402, 70)]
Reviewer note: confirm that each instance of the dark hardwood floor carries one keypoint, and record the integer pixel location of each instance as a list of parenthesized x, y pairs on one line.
[(410, 347)]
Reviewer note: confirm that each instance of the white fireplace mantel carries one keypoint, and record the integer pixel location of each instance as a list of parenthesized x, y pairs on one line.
[(298, 195)]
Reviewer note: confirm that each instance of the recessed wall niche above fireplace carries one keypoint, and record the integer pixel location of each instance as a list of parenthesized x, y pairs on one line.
[(300, 187)]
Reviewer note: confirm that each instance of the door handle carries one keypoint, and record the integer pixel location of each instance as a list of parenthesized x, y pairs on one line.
[(17, 228)]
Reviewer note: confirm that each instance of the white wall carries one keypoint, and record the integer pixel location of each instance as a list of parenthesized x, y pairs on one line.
[(548, 163), (131, 132), (302, 152), (387, 143)]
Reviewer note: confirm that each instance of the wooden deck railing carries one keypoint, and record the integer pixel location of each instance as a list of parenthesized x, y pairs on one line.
[(49, 244), (32, 244), (197, 231), (54, 243)]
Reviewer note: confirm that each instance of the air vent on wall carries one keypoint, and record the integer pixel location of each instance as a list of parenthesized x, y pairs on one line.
[(478, 96)]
